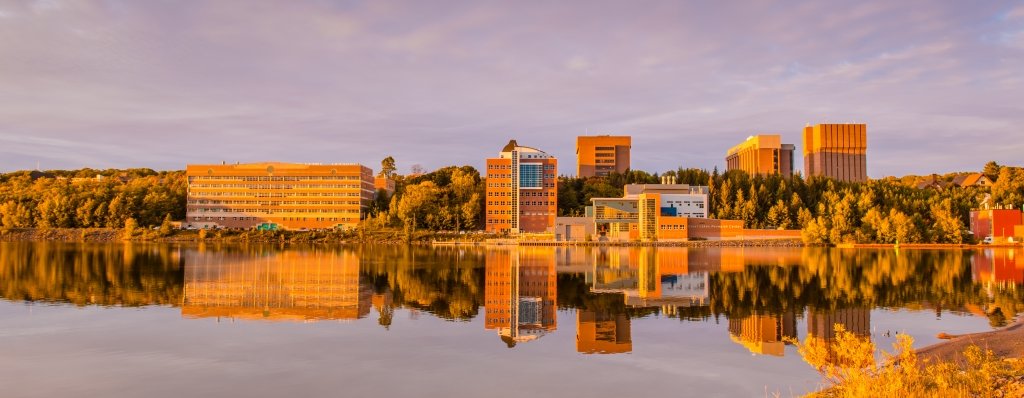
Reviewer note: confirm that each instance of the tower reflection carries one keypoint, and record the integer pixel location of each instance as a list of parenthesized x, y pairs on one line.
[(520, 293)]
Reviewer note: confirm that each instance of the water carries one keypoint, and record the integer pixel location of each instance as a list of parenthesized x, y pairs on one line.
[(166, 320)]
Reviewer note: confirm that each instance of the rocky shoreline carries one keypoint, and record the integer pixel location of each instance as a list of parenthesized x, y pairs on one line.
[(1007, 342)]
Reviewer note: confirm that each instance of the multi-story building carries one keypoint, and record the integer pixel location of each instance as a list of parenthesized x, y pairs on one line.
[(636, 214), (522, 193), (837, 151), (762, 154), (277, 195), (599, 155)]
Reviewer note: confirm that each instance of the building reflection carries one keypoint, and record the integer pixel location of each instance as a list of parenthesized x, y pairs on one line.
[(520, 293), (998, 267), (764, 334), (290, 285), (649, 277), (604, 328)]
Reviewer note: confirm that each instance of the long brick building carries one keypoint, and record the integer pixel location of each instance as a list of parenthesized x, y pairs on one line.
[(277, 195)]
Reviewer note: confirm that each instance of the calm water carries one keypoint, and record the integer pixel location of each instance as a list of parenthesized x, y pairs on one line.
[(167, 320)]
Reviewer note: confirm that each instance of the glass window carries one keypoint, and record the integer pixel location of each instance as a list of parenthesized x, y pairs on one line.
[(531, 175)]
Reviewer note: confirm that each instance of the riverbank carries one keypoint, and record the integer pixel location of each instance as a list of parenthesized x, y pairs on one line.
[(692, 243), (1007, 342), (107, 235)]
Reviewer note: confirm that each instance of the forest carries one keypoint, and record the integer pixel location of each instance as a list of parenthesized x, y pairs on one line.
[(90, 198)]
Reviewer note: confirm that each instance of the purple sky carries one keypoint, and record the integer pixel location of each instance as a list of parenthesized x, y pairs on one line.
[(162, 83)]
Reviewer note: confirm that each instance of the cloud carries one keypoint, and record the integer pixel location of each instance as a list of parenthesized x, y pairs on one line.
[(160, 84)]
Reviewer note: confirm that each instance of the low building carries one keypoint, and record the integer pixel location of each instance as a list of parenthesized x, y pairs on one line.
[(573, 228), (667, 212), (762, 154), (995, 223), (277, 195)]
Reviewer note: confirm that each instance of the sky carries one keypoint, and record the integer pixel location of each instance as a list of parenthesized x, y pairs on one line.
[(159, 84)]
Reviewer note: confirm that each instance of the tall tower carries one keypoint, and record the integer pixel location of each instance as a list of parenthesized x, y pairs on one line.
[(599, 155), (522, 190), (837, 151)]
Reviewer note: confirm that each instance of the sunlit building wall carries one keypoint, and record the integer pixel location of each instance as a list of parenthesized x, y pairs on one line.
[(762, 154), (995, 223), (837, 151), (600, 155), (522, 193), (277, 195)]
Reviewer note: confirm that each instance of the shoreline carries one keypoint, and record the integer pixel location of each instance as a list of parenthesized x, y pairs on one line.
[(1006, 342), (387, 236)]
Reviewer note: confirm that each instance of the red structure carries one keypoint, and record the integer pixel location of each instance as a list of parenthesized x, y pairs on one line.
[(997, 223)]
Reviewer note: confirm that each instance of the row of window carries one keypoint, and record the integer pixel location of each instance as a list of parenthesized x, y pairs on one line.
[(280, 194), (509, 167), (274, 203), (272, 211), (531, 185), (276, 186), (340, 219), (522, 203), (274, 178)]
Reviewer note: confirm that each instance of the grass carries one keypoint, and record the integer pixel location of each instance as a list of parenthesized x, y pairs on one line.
[(849, 369)]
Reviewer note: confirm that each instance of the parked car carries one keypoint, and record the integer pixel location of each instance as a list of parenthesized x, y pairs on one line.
[(987, 240)]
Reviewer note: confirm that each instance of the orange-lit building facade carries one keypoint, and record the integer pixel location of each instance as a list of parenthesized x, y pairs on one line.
[(286, 286), (762, 154), (520, 293), (668, 212), (996, 223), (600, 155), (522, 191), (384, 183), (277, 195), (837, 151)]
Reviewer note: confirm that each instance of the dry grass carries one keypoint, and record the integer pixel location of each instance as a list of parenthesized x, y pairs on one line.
[(849, 369)]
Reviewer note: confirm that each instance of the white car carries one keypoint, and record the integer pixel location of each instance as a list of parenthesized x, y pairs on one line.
[(987, 240)]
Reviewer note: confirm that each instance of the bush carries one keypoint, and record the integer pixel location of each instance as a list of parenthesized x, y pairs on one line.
[(849, 369)]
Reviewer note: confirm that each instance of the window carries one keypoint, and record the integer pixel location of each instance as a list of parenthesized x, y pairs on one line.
[(531, 175)]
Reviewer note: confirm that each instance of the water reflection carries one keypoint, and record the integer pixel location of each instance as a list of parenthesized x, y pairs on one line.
[(294, 285), (762, 294), (520, 293)]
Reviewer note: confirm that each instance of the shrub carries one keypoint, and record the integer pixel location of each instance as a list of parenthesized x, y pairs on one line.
[(849, 369)]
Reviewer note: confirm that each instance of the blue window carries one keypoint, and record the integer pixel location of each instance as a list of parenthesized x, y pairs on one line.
[(531, 175)]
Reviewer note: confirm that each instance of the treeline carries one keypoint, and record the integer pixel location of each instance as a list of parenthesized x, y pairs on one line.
[(452, 198), (830, 212), (80, 199), (447, 199)]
